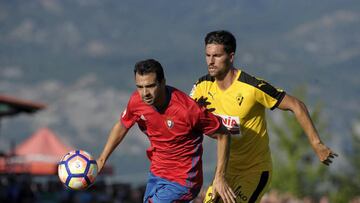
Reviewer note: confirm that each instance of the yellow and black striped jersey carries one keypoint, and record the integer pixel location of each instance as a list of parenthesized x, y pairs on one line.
[(242, 109)]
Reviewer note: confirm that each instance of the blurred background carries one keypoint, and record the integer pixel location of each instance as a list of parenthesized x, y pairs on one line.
[(68, 66)]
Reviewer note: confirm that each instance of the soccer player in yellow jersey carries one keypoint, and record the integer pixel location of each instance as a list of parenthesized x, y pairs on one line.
[(240, 100)]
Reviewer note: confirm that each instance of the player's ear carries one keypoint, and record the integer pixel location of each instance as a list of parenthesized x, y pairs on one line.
[(232, 57)]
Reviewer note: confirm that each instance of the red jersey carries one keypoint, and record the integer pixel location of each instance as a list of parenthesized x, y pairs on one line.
[(175, 135)]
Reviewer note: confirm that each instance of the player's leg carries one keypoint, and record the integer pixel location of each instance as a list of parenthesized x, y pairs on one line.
[(249, 188), (262, 185), (151, 187)]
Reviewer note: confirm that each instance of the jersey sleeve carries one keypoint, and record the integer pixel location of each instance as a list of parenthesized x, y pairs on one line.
[(205, 121), (195, 92), (199, 88), (128, 118), (199, 92), (268, 95)]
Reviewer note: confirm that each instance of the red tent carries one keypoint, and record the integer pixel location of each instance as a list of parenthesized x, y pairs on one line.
[(38, 155)]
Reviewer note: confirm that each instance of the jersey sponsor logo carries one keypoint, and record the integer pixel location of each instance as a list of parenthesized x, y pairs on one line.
[(169, 123), (232, 123)]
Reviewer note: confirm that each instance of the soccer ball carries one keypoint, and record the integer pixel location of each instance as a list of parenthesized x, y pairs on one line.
[(77, 170)]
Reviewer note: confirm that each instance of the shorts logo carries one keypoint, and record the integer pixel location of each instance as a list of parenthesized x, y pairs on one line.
[(241, 194), (169, 123)]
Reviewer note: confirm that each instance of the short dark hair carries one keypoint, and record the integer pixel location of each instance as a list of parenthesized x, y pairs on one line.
[(150, 66), (222, 37)]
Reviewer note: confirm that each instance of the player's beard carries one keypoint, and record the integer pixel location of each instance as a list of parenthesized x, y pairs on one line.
[(212, 71), (148, 100), (217, 73), (220, 72)]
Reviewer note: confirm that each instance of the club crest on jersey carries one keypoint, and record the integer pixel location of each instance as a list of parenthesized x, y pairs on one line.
[(239, 99), (169, 123)]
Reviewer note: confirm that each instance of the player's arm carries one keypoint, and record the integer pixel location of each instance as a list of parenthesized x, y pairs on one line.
[(116, 135), (220, 185), (293, 104)]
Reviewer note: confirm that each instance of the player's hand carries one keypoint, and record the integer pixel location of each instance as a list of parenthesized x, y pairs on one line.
[(203, 102), (324, 153), (100, 164), (221, 187)]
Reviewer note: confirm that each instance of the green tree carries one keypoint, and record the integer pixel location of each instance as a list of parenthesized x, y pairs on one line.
[(347, 182), (297, 169)]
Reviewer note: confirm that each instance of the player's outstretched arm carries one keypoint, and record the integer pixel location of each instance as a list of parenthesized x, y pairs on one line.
[(324, 153), (116, 135), (220, 185)]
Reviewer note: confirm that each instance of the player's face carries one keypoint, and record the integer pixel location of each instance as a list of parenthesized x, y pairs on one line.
[(218, 61), (150, 90)]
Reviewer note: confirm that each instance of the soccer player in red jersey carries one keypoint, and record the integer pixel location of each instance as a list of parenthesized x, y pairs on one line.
[(174, 124)]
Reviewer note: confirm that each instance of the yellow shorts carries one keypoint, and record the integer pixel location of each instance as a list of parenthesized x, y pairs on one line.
[(248, 188)]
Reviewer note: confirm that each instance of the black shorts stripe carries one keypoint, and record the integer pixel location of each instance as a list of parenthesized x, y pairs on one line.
[(262, 183)]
